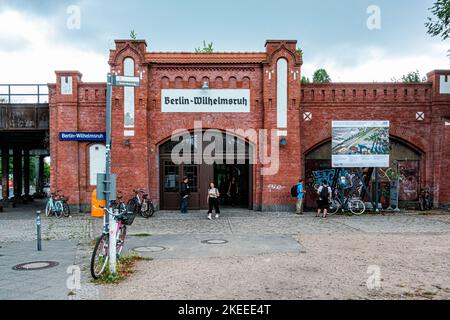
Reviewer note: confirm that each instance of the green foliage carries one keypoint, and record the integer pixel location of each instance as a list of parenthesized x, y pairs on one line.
[(46, 171), (300, 52), (410, 77), (440, 26), (321, 76), (207, 48), (133, 35), (124, 268), (305, 80)]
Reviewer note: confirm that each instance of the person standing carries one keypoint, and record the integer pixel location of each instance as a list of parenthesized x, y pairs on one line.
[(233, 191), (213, 200), (300, 195), (324, 192), (184, 195)]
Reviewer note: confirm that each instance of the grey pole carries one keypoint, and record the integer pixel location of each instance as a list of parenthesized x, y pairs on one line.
[(38, 230), (108, 144)]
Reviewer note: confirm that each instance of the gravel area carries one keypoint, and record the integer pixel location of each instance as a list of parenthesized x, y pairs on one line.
[(412, 266)]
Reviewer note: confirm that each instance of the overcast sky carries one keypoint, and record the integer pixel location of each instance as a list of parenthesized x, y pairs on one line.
[(35, 38)]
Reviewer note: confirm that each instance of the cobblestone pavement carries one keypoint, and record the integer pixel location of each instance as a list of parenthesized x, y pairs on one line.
[(74, 235)]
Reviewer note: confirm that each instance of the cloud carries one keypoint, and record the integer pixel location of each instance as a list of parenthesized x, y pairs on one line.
[(378, 64), (30, 52)]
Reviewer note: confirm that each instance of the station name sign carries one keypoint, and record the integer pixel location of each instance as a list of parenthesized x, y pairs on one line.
[(82, 136), (205, 100)]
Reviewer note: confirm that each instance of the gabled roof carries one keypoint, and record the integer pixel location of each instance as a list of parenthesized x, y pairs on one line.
[(202, 58)]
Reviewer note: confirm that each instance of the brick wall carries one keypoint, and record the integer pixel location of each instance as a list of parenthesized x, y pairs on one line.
[(137, 164)]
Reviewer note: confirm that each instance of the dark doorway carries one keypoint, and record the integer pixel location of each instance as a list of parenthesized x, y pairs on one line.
[(223, 175), (200, 175)]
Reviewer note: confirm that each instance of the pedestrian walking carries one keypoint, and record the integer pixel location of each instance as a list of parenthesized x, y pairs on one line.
[(324, 192), (213, 200), (300, 196), (184, 195)]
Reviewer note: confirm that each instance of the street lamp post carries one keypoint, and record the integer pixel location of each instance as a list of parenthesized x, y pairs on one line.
[(110, 223)]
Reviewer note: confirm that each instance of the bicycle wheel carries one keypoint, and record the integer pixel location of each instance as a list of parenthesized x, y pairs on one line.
[(121, 239), (59, 209), (99, 258), (66, 210), (357, 207), (151, 209), (48, 209), (334, 207)]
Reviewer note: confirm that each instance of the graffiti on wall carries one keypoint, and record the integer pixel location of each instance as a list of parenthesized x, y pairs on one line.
[(320, 175)]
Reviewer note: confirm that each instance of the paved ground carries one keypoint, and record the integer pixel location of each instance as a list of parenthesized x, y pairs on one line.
[(267, 255)]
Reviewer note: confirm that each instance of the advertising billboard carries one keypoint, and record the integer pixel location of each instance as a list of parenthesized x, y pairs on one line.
[(359, 144)]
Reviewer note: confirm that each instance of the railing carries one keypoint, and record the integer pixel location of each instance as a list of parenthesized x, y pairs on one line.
[(24, 107), (23, 94)]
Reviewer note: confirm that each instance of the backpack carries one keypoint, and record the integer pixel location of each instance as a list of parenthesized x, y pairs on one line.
[(294, 191), (324, 193)]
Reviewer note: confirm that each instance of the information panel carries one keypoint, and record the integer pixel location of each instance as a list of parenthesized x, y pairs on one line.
[(358, 144)]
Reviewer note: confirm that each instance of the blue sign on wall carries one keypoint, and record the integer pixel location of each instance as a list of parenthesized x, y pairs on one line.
[(82, 136)]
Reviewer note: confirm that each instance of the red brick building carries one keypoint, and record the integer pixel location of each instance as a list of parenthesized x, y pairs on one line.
[(419, 115)]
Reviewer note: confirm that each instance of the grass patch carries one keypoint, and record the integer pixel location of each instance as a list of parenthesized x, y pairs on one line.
[(125, 267), (140, 235)]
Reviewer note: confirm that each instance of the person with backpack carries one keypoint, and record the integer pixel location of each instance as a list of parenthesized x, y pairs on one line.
[(324, 192), (300, 195)]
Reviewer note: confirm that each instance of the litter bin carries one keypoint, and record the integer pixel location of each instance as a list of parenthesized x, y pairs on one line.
[(96, 210)]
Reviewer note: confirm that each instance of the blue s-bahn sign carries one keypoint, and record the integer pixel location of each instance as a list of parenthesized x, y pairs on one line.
[(82, 136)]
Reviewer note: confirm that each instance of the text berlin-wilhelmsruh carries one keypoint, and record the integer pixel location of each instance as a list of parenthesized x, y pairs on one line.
[(206, 101)]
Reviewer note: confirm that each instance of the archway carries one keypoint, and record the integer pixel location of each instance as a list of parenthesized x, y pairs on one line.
[(233, 160), (403, 159)]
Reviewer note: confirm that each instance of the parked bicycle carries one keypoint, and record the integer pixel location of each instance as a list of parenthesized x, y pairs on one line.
[(100, 255), (57, 205), (354, 205), (141, 204)]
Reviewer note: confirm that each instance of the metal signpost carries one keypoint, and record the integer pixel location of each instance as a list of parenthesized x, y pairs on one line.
[(119, 81)]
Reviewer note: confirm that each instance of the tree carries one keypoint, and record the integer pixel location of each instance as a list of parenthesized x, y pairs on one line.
[(300, 52), (440, 26), (410, 77), (321, 76), (305, 80), (207, 48), (133, 35)]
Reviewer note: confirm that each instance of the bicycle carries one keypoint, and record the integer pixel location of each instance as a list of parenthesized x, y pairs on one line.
[(100, 255), (143, 207), (355, 206), (54, 206)]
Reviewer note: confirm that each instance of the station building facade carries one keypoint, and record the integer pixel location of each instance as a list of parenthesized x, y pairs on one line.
[(267, 87)]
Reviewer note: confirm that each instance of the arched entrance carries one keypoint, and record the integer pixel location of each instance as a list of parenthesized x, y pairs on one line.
[(232, 161), (403, 159)]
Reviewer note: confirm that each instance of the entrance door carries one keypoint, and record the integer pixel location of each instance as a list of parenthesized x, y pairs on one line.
[(200, 176)]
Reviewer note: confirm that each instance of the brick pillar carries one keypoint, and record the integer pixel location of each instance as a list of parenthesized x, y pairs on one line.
[(127, 157), (283, 119), (64, 118), (5, 173)]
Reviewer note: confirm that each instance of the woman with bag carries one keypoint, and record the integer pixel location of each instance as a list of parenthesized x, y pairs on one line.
[(213, 200)]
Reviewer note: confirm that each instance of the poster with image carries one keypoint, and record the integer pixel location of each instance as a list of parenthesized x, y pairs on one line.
[(360, 144)]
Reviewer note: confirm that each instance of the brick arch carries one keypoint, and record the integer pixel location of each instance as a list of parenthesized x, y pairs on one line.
[(275, 55), (407, 143), (128, 50), (191, 130)]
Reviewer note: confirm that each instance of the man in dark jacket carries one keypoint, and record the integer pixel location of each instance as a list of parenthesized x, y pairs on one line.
[(184, 195)]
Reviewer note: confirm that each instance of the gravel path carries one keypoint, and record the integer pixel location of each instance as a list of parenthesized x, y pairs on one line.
[(334, 267)]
